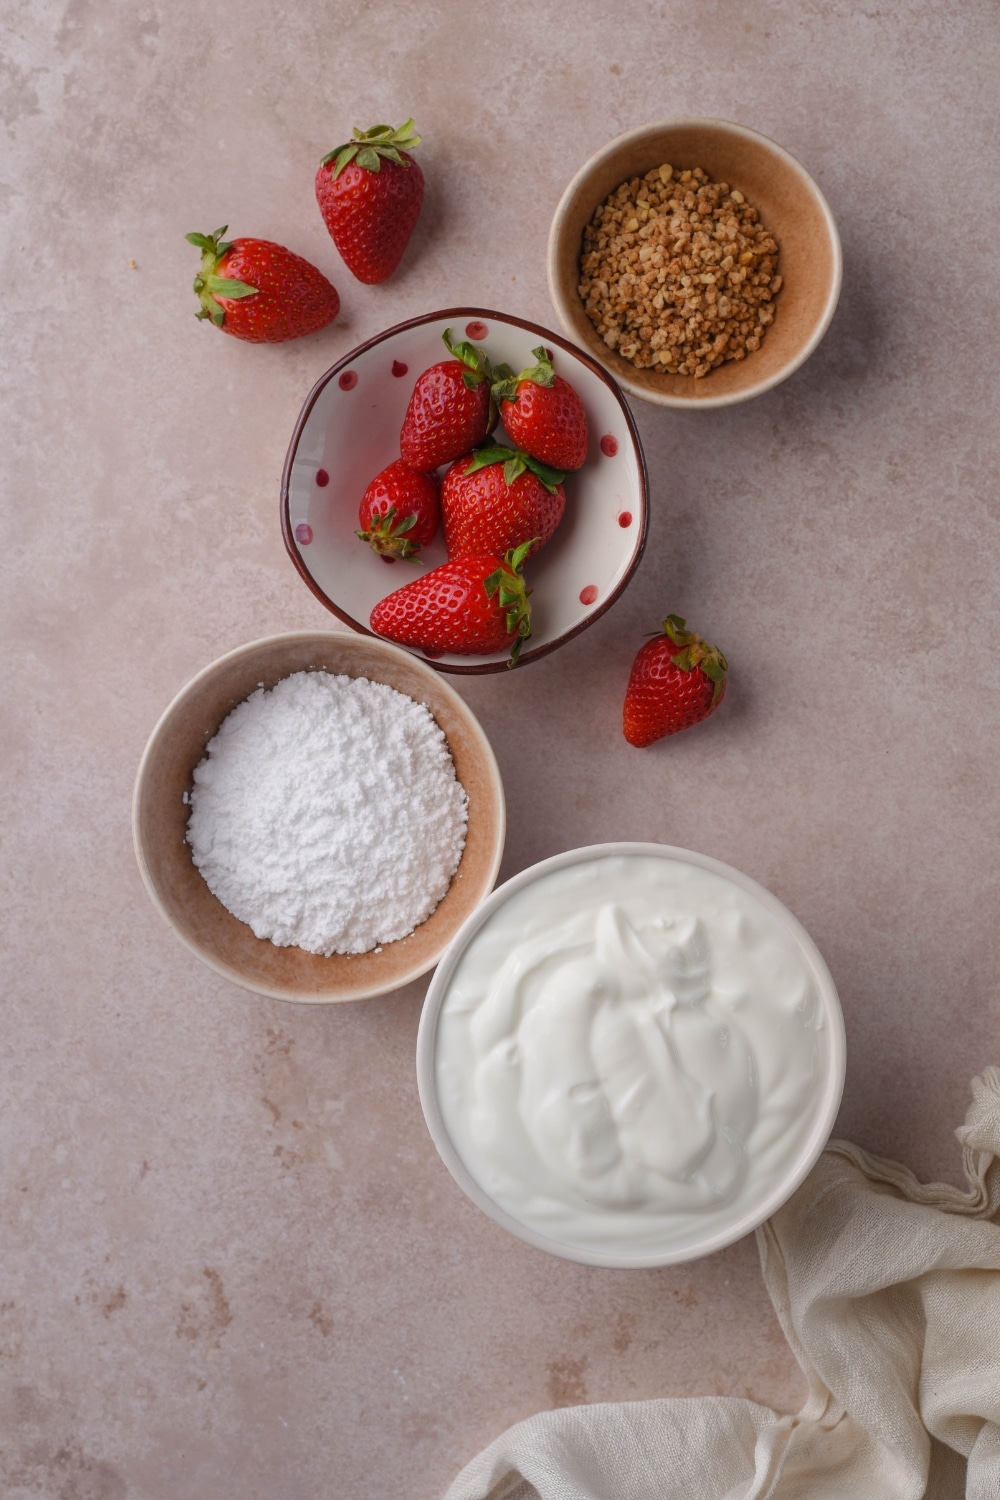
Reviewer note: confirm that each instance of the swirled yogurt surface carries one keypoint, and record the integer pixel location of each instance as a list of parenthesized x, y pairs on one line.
[(632, 1053)]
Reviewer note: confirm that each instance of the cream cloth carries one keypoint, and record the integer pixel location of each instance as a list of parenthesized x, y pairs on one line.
[(888, 1292)]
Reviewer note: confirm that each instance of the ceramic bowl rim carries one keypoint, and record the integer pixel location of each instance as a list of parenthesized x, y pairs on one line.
[(546, 335), (814, 1141), (207, 957), (561, 301)]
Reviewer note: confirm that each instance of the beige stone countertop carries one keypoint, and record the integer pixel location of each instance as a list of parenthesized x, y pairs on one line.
[(232, 1266)]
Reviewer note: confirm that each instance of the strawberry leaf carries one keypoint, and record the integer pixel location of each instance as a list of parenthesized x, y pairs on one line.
[(406, 137), (514, 468), (696, 652), (516, 558), (222, 286), (340, 158), (674, 627), (506, 582), (551, 478), (504, 384), (508, 385), (207, 284), (370, 146), (387, 536), (483, 458), (541, 373), (477, 364), (686, 660), (213, 243), (515, 463)]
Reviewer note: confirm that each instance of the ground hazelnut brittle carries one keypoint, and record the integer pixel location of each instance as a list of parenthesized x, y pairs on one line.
[(677, 272)]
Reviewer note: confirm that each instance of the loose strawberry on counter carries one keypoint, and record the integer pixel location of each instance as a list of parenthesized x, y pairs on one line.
[(369, 192), (470, 606), (451, 409), (543, 413), (400, 511), (495, 499), (259, 291), (677, 680)]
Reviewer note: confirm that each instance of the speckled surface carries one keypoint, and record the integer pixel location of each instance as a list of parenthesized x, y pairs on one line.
[(231, 1263)]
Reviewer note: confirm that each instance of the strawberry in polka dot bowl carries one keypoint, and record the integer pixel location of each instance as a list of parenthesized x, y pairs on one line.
[(468, 485)]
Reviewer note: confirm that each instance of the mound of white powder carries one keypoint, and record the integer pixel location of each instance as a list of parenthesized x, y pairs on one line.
[(327, 814)]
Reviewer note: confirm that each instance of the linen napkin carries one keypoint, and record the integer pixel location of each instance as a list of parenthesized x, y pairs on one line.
[(888, 1292)]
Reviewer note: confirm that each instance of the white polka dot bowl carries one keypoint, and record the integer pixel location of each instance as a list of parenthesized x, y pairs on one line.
[(348, 431)]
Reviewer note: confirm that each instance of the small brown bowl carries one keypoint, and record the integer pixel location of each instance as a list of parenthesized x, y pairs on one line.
[(160, 814), (791, 207)]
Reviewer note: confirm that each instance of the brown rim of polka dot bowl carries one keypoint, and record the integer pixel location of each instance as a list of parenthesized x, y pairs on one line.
[(348, 430), (791, 207), (160, 814)]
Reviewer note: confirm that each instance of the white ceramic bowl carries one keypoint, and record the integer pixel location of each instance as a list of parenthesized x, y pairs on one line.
[(175, 885), (819, 1082), (791, 206), (348, 431)]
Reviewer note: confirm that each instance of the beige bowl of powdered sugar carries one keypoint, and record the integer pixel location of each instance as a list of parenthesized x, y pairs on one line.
[(300, 811)]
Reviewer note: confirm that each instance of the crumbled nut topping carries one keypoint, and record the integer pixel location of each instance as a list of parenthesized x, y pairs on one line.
[(677, 272)]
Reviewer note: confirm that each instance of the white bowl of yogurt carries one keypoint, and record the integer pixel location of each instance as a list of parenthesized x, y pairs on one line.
[(630, 1055)]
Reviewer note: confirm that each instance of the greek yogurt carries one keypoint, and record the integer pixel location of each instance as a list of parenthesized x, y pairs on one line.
[(635, 1052)]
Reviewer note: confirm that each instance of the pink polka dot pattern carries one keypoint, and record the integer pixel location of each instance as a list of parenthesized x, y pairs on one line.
[(348, 380), (624, 518), (609, 445), (476, 330), (399, 369), (322, 478), (589, 594), (303, 533)]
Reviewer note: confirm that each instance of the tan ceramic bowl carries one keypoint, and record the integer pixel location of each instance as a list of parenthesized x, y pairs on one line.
[(792, 208), (159, 820)]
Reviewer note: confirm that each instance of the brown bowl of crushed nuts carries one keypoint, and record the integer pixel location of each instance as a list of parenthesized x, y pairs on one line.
[(696, 260)]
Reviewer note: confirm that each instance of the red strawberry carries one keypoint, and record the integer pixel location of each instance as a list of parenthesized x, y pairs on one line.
[(677, 680), (469, 606), (494, 499), (400, 511), (543, 413), (369, 193), (260, 291), (451, 409)]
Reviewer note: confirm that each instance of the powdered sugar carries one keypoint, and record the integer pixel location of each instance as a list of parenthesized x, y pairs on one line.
[(327, 814)]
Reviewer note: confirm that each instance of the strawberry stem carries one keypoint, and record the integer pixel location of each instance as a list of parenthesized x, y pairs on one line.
[(512, 596), (208, 285), (387, 536), (541, 373), (371, 147), (514, 463), (696, 652), (476, 360)]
